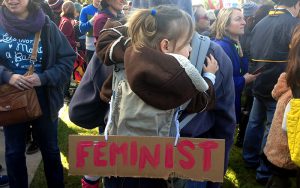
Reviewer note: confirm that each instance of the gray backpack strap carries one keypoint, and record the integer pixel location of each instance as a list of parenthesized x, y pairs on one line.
[(200, 45)]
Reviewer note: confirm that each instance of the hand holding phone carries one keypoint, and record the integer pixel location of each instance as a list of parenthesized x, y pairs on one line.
[(259, 70)]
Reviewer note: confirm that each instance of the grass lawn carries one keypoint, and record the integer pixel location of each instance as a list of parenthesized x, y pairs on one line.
[(236, 176)]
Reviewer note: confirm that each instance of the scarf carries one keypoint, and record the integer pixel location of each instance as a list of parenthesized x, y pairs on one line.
[(21, 28)]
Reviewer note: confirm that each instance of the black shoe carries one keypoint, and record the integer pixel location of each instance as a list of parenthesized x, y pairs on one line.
[(3, 181), (32, 148), (1, 167)]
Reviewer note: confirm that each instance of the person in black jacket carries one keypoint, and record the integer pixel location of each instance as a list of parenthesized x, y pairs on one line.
[(55, 57), (269, 46)]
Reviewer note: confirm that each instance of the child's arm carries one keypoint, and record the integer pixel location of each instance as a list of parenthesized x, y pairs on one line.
[(110, 47), (203, 100)]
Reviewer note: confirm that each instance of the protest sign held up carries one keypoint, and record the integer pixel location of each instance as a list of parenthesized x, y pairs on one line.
[(154, 157)]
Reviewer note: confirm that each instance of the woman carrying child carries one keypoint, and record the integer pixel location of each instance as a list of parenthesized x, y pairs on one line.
[(154, 58)]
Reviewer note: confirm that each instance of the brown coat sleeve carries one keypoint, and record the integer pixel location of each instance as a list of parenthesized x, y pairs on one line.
[(203, 101), (107, 39)]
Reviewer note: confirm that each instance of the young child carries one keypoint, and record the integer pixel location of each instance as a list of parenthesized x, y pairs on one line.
[(153, 71), (154, 58)]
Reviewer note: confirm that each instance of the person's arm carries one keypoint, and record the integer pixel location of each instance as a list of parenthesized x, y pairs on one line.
[(203, 100), (108, 41), (239, 80), (65, 57), (84, 24)]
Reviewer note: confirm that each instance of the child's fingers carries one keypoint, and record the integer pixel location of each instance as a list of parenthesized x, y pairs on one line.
[(214, 61), (212, 58), (208, 60)]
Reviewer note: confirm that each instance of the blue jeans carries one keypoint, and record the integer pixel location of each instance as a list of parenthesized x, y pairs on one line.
[(45, 130), (256, 134)]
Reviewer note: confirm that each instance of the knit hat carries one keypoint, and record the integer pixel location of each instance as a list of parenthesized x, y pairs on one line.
[(249, 9), (55, 5)]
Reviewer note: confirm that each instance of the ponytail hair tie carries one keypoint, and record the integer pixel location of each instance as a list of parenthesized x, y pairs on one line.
[(153, 12)]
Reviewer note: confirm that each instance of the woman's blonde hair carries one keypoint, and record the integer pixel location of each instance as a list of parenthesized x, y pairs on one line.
[(219, 28), (147, 27)]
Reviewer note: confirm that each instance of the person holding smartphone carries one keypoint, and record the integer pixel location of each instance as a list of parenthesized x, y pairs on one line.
[(227, 29)]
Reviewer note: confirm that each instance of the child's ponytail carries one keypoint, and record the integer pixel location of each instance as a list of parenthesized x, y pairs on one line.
[(147, 27), (141, 25)]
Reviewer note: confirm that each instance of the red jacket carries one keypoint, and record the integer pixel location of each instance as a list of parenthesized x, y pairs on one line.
[(99, 23), (66, 26)]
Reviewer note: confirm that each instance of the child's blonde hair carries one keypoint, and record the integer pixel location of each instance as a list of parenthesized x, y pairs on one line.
[(147, 27)]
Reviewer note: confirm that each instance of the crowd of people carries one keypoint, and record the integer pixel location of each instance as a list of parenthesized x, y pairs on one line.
[(122, 53)]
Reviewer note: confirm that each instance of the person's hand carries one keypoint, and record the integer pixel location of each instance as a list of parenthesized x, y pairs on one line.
[(76, 22), (34, 79), (93, 18), (212, 65), (20, 82), (250, 77), (77, 44)]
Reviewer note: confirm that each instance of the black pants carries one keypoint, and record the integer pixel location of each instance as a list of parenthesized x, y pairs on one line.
[(88, 56)]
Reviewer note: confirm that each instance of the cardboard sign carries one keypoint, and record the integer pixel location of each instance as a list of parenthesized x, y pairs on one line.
[(154, 157)]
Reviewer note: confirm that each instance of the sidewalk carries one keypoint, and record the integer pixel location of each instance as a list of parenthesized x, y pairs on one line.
[(33, 160)]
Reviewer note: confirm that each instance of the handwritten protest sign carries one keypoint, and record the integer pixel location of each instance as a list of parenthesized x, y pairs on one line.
[(155, 157)]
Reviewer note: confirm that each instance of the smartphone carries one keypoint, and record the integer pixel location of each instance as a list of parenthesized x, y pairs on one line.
[(260, 69)]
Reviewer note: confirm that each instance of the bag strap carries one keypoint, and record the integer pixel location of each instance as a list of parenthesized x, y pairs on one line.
[(200, 46), (33, 57)]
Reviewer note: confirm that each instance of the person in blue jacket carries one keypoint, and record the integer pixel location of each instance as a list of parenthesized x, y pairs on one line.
[(86, 22), (227, 29)]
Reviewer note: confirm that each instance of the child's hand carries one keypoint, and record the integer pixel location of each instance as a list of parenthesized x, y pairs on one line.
[(212, 65)]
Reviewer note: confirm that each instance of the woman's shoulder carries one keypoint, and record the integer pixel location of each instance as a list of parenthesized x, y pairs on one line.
[(225, 43), (102, 17)]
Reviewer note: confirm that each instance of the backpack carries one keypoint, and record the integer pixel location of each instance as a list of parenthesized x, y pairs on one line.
[(131, 116)]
